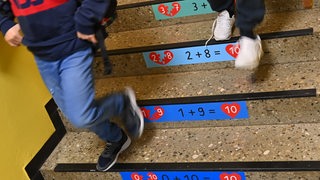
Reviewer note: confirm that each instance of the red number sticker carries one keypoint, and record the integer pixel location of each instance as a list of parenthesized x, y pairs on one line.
[(231, 110), (136, 176), (232, 176), (233, 50), (163, 9)]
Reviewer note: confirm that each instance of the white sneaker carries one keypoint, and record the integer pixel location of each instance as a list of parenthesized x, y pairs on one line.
[(222, 27), (249, 54)]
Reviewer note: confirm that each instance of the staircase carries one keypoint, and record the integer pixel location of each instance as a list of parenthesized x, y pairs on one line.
[(276, 137)]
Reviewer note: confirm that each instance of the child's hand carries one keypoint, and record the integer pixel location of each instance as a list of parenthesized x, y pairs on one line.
[(89, 37), (13, 36)]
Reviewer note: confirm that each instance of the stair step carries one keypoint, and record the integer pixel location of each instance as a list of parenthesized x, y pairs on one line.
[(296, 142), (270, 4), (281, 109), (217, 82), (276, 50), (229, 81), (142, 15), (275, 22)]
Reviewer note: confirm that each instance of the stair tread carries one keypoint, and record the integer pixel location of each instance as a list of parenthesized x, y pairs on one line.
[(278, 77), (279, 50), (296, 142), (270, 5), (143, 16), (273, 22)]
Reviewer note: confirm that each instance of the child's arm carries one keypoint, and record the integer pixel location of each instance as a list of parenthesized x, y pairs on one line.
[(8, 27), (88, 15), (13, 36)]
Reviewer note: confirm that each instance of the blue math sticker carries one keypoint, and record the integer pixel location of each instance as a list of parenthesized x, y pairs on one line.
[(181, 9), (192, 55), (195, 112), (183, 175)]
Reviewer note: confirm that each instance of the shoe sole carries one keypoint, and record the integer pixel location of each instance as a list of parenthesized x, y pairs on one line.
[(136, 108), (124, 147)]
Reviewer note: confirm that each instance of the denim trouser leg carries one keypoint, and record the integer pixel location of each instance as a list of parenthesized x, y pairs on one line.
[(221, 5), (249, 14), (70, 81)]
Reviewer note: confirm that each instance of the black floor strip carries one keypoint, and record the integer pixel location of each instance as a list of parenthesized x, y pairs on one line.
[(274, 35), (35, 164), (232, 97), (261, 166)]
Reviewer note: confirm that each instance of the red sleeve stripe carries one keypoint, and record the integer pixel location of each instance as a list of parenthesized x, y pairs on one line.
[(28, 7)]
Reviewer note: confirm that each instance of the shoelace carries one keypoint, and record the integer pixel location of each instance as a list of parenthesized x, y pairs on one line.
[(108, 149), (212, 32)]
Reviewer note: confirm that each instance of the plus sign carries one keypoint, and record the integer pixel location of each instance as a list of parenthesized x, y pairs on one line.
[(198, 54), (204, 5), (176, 178), (192, 112)]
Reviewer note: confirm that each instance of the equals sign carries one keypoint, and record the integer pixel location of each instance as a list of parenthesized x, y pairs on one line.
[(217, 52), (212, 111)]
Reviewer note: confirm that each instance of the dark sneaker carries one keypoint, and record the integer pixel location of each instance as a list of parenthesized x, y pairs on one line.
[(132, 117), (110, 154)]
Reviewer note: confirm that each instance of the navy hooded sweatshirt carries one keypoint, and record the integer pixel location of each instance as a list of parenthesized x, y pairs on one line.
[(49, 26)]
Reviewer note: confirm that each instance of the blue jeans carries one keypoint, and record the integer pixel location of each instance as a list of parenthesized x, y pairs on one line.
[(70, 81), (249, 13)]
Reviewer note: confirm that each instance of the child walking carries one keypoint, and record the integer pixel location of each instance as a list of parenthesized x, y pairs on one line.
[(61, 34)]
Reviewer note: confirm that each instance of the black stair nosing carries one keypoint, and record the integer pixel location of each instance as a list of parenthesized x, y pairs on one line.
[(232, 97), (141, 4), (258, 166), (33, 167), (265, 36), (145, 3)]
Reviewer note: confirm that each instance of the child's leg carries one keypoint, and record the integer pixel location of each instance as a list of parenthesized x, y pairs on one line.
[(71, 84), (221, 5), (249, 14), (223, 25)]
